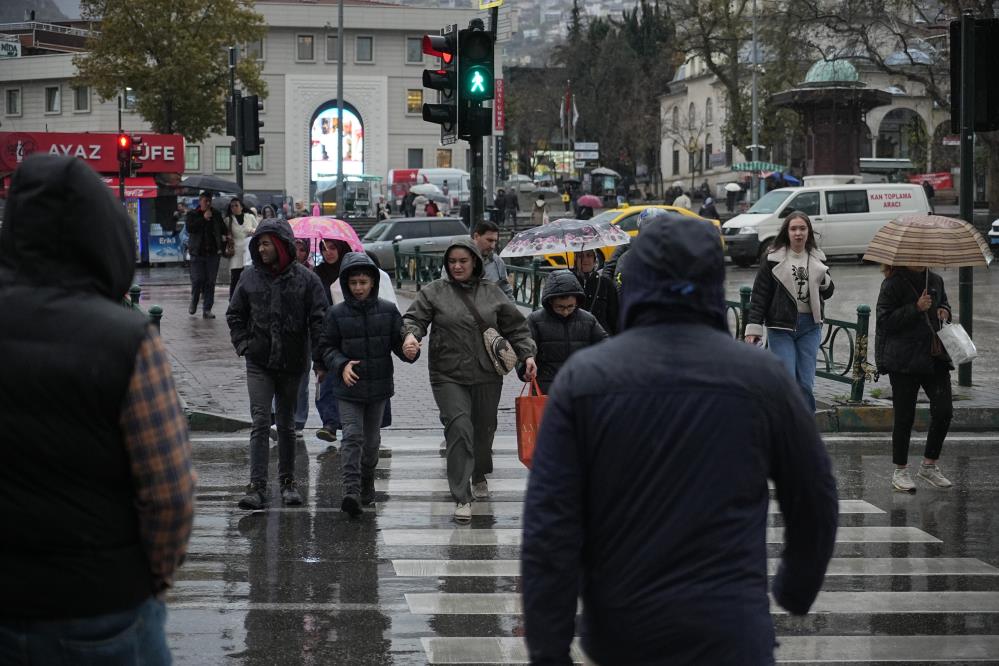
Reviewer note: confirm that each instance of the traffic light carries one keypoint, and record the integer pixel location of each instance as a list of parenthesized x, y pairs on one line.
[(475, 80), (250, 124), (134, 153), (443, 79), (124, 154)]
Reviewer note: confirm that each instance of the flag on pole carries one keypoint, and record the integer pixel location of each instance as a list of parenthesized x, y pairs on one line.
[(561, 114), (575, 112)]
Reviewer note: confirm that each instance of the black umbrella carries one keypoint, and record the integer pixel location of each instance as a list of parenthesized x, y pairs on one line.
[(211, 183)]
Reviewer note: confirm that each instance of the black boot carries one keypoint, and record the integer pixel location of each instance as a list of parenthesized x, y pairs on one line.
[(367, 489)]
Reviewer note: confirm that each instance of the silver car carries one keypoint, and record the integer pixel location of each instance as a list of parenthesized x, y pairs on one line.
[(430, 234)]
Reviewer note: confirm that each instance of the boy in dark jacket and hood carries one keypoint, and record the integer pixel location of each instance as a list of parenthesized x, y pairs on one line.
[(274, 316), (358, 340), (648, 491), (560, 327)]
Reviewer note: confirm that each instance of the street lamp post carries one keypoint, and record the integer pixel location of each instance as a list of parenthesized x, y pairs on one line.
[(756, 129), (340, 208)]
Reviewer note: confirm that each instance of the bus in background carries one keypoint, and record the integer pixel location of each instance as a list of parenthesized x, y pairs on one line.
[(455, 182), (398, 183)]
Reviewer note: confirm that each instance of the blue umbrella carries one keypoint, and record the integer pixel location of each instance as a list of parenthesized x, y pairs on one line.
[(790, 180)]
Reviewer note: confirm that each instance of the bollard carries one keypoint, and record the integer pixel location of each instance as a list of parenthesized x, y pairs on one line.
[(155, 314), (416, 267), (860, 354), (535, 284), (133, 294), (398, 265), (745, 296)]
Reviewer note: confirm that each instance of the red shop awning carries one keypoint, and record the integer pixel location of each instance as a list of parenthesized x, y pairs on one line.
[(135, 188)]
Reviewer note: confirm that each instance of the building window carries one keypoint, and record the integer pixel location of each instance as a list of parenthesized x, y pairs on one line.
[(254, 50), (676, 160), (414, 158), (708, 147), (53, 100), (81, 99), (12, 100), (414, 50), (332, 48), (444, 158), (306, 48), (709, 112), (255, 162), (364, 49), (691, 116), (223, 158), (675, 121), (414, 100), (192, 158)]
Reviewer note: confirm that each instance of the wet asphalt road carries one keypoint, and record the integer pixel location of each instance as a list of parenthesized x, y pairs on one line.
[(915, 579)]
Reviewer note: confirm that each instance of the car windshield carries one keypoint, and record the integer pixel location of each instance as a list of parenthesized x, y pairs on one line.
[(606, 216), (770, 202), (376, 231)]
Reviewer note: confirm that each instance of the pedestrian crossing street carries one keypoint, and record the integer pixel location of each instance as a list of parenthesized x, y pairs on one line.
[(450, 594)]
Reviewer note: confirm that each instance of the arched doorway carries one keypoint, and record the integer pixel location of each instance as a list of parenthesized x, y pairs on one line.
[(902, 135), (323, 142)]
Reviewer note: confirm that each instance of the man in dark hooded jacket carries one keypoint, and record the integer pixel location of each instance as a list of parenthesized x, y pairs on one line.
[(96, 485), (648, 491), (275, 315)]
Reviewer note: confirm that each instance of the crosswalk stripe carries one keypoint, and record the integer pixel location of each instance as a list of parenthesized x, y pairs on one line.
[(809, 649), (508, 509), (838, 566), (441, 486), (858, 603), (511, 537)]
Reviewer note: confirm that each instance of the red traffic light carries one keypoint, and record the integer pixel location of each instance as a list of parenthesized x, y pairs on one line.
[(440, 46), (124, 141)]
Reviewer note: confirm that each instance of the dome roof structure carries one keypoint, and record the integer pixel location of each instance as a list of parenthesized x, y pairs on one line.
[(909, 57), (832, 72)]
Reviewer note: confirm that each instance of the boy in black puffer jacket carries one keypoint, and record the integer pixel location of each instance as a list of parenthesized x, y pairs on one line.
[(359, 336), (561, 327)]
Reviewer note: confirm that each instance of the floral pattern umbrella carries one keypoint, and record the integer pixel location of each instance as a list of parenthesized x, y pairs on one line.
[(326, 228), (563, 236)]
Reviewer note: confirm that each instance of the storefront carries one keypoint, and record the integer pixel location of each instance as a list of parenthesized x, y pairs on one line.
[(150, 206)]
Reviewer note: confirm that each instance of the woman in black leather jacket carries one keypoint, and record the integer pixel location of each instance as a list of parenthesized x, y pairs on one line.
[(788, 295)]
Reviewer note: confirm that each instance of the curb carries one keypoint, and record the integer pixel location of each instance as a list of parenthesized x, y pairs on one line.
[(210, 422), (879, 419)]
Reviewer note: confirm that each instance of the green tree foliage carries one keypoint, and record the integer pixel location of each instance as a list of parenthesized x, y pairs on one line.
[(173, 54)]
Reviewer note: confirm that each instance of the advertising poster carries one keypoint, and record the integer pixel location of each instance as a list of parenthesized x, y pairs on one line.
[(324, 148), (164, 246)]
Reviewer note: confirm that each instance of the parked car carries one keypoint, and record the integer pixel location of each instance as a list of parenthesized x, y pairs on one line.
[(430, 234), (844, 217)]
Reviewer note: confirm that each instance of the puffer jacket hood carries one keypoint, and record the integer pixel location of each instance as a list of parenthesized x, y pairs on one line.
[(278, 228), (676, 271), (561, 283), (467, 244), (352, 262), (62, 226)]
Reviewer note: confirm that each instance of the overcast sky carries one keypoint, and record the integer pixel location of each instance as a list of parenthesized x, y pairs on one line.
[(71, 8)]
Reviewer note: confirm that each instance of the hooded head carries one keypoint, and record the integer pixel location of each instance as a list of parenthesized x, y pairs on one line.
[(467, 244), (561, 283), (352, 264), (675, 272), (284, 240), (62, 226)]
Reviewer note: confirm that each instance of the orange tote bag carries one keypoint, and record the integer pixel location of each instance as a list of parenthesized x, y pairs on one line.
[(529, 410)]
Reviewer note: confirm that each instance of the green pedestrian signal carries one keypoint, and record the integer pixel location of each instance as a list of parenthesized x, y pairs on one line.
[(477, 86)]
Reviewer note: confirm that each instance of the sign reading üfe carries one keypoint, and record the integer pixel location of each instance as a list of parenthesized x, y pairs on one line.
[(587, 145), (159, 152)]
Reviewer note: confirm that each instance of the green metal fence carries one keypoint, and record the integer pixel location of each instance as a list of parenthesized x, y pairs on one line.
[(853, 370)]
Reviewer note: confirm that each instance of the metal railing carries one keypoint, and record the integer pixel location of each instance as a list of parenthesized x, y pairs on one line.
[(854, 370), (155, 312)]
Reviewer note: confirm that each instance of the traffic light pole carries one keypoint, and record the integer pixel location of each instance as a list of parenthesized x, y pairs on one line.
[(237, 112), (966, 276), (121, 170), (476, 208)]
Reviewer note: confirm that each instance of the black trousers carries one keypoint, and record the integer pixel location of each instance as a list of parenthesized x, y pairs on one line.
[(904, 390)]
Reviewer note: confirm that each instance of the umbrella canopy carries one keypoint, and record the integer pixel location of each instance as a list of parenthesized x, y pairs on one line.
[(590, 201), (732, 187), (211, 183), (604, 171), (425, 189), (565, 235), (933, 241), (757, 166), (326, 228), (788, 178)]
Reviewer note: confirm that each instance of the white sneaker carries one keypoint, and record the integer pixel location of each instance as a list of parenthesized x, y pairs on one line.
[(931, 474), (480, 490), (901, 481), (463, 512), (300, 435)]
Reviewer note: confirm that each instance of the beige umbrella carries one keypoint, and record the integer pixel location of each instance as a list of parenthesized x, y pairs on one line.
[(933, 241)]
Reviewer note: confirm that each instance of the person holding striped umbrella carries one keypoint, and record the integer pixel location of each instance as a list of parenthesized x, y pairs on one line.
[(912, 307)]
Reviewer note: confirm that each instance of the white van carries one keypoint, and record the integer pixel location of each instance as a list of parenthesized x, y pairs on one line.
[(844, 217), (456, 182)]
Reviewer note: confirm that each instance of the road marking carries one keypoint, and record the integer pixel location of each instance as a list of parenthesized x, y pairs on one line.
[(296, 607), (798, 649), (511, 537), (441, 485), (404, 463), (828, 603), (512, 509), (838, 566)]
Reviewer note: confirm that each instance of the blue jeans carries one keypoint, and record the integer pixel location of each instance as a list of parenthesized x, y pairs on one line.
[(326, 403), (798, 351), (302, 406), (134, 637)]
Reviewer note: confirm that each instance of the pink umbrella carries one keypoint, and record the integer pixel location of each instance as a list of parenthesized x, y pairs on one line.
[(326, 228), (590, 201)]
